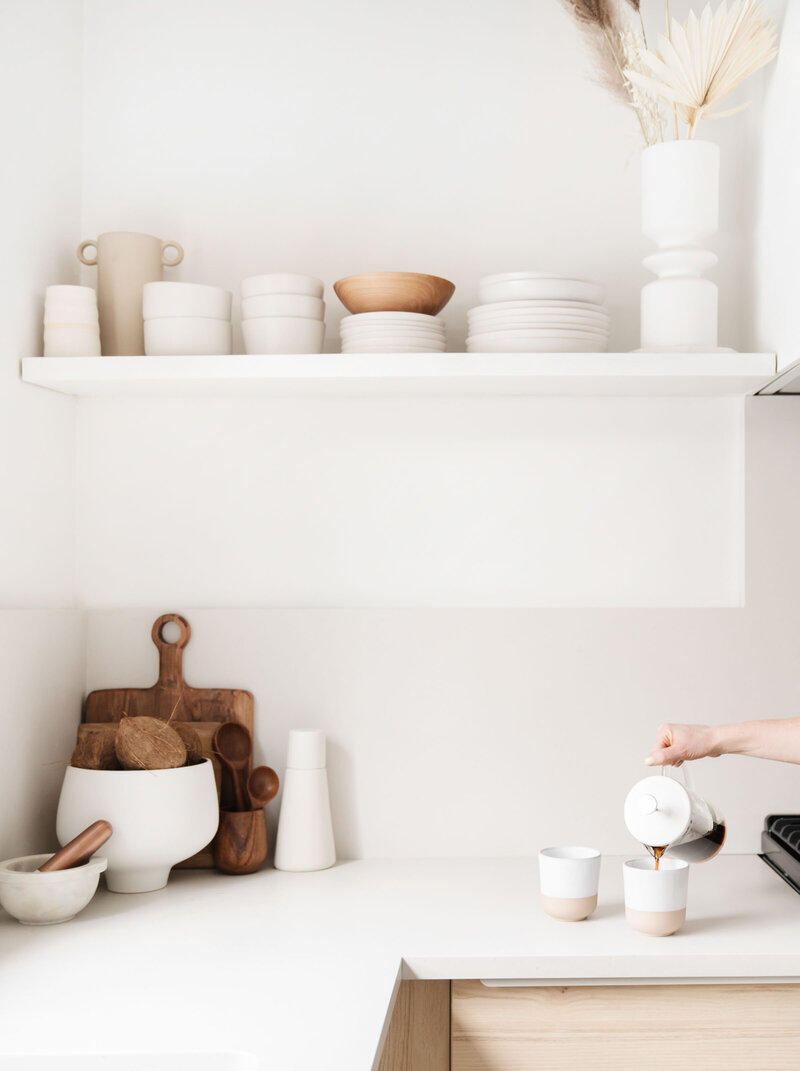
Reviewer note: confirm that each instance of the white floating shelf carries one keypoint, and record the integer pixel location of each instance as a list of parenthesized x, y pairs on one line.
[(409, 375)]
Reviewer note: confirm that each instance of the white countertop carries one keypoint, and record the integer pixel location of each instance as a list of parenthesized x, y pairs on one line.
[(301, 969)]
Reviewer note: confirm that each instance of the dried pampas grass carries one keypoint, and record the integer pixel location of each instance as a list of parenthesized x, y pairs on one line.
[(697, 66), (616, 50)]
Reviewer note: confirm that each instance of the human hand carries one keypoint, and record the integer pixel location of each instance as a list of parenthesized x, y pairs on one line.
[(678, 743)]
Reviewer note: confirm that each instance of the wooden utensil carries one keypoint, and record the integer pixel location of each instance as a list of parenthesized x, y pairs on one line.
[(234, 746), (262, 786), (172, 698), (80, 849), (240, 846)]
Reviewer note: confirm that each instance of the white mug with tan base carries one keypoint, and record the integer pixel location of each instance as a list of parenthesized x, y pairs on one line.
[(655, 900), (125, 262), (568, 878)]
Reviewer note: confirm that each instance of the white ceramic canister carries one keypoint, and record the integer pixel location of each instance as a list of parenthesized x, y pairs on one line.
[(305, 830)]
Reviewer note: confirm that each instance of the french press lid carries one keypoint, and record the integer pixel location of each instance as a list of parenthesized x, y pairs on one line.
[(658, 811)]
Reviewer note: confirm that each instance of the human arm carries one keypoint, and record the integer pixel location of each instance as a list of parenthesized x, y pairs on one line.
[(776, 739)]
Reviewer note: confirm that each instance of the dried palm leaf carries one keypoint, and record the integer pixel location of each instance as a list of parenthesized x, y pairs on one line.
[(699, 65)]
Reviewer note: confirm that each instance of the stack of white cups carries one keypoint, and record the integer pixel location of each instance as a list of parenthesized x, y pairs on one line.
[(283, 313), (71, 326), (183, 319)]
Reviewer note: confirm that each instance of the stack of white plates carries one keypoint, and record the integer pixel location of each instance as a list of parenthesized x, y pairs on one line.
[(392, 332), (533, 312)]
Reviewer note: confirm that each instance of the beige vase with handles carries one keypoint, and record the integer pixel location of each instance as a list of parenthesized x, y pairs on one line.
[(125, 262)]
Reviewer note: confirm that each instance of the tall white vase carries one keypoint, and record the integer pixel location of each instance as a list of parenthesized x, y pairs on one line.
[(680, 209)]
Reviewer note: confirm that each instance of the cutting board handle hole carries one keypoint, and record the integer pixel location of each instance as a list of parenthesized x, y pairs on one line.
[(171, 630)]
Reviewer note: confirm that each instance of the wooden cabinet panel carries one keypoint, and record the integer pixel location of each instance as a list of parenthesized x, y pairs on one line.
[(626, 1028), (419, 1032)]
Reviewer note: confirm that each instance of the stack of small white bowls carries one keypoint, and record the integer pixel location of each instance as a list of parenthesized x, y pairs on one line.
[(392, 332), (70, 322), (182, 319), (534, 312), (283, 313)]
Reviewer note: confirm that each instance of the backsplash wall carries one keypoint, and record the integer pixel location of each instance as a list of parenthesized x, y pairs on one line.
[(459, 732)]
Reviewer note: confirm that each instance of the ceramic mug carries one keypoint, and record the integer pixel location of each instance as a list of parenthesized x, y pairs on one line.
[(568, 879), (655, 900), (125, 262)]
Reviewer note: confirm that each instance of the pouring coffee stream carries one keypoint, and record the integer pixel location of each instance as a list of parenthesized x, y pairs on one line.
[(667, 815)]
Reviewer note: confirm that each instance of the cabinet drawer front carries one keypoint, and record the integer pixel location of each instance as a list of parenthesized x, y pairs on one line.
[(626, 1028)]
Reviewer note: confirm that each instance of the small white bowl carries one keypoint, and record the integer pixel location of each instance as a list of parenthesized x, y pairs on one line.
[(178, 336), (407, 319), (55, 896), (159, 817), (303, 305), (282, 283), (71, 340), (283, 334), (165, 300)]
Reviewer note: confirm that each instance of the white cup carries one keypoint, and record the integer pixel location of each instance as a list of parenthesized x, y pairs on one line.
[(568, 879), (655, 900)]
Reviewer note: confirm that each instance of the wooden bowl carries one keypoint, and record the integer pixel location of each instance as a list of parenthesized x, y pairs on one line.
[(394, 291)]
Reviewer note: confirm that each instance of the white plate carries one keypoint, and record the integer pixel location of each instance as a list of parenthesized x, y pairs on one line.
[(534, 319), (539, 303), (548, 329), (492, 344), (389, 332), (392, 317), (393, 349), (528, 286)]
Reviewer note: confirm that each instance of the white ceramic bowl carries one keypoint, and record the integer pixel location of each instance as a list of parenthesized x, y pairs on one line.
[(526, 286), (161, 300), (282, 283), (159, 817), (176, 336), (71, 340), (381, 347), (283, 334), (311, 308), (55, 896)]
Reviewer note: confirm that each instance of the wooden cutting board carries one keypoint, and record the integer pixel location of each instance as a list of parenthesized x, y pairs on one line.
[(172, 698)]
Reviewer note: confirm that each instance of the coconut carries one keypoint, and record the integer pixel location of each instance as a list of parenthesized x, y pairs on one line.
[(95, 751), (191, 741), (148, 744)]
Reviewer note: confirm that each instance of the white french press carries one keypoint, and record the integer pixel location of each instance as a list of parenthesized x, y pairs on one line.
[(664, 812)]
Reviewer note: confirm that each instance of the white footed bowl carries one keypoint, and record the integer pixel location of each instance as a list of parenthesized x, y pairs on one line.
[(283, 334), (159, 817), (182, 336), (163, 299), (312, 308), (55, 896), (282, 283)]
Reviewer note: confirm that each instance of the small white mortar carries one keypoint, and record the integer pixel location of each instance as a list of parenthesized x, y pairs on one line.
[(55, 896)]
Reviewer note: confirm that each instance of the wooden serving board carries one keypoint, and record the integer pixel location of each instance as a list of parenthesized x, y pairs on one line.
[(171, 698)]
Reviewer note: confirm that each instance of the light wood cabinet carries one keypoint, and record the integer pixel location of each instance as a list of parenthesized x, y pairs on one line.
[(626, 1028), (419, 1030)]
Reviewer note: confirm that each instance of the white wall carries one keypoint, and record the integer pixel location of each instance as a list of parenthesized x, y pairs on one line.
[(778, 218), (450, 137), (490, 732), (41, 639)]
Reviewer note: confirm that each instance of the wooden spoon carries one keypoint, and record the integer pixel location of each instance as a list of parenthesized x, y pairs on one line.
[(233, 745), (262, 786)]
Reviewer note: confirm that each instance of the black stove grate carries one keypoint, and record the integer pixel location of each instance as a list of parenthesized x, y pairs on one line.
[(780, 846)]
